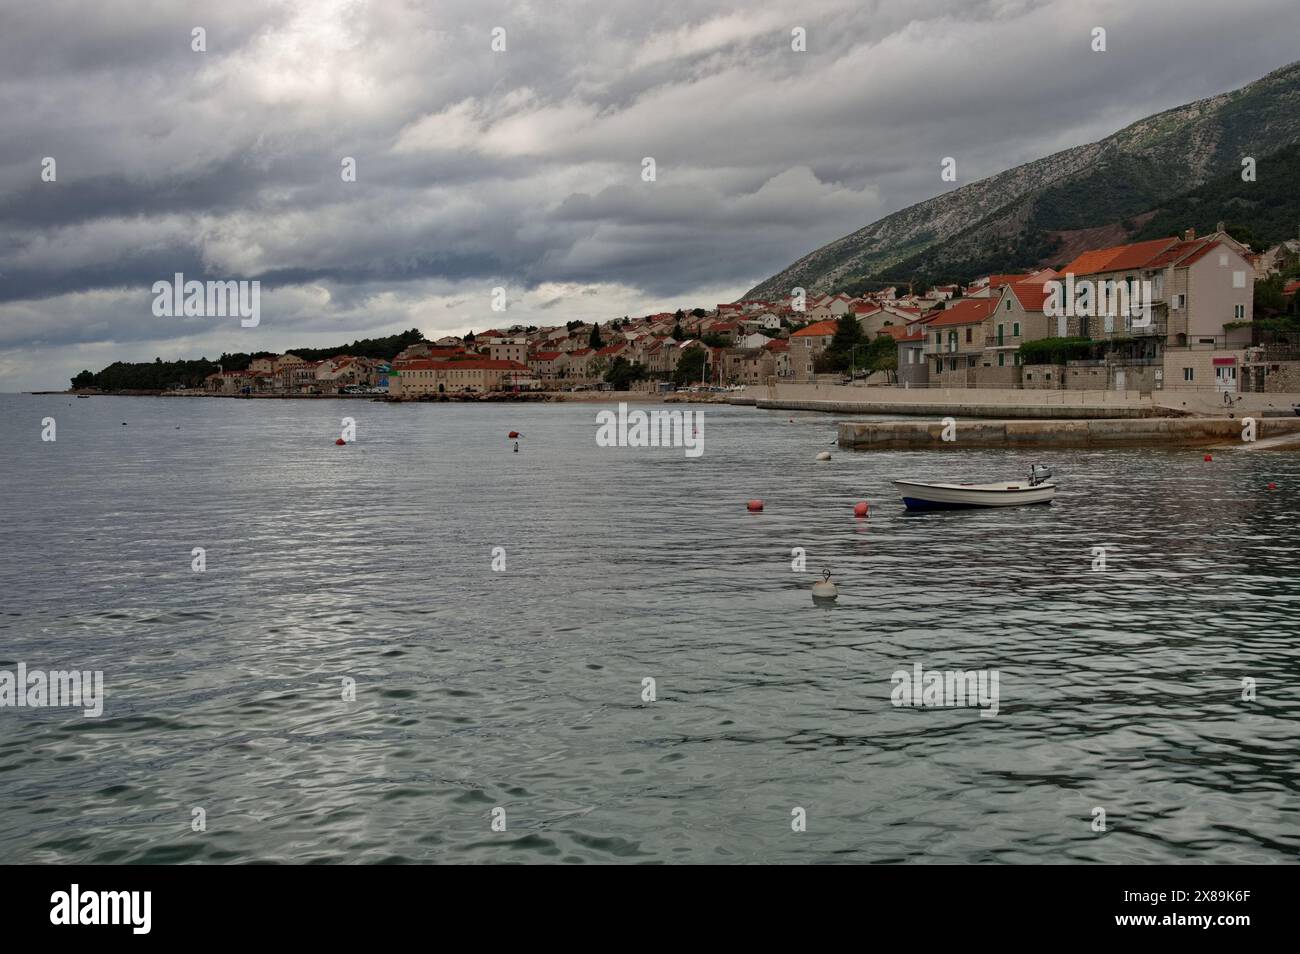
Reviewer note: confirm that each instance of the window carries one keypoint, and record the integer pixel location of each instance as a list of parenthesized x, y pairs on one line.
[(968, 335), (1015, 329), (1239, 311), (1177, 303), (1002, 358), (1008, 304), (1188, 373), (938, 337)]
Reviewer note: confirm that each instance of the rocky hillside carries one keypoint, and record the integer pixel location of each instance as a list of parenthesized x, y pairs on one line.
[(1016, 218)]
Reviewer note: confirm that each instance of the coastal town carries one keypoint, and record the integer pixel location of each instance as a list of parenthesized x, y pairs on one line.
[(999, 331)]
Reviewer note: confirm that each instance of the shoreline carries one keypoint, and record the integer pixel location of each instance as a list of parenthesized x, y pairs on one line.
[(492, 397)]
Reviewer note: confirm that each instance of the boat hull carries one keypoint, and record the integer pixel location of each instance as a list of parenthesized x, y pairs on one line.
[(918, 496)]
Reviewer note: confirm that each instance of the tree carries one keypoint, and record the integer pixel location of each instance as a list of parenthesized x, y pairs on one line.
[(594, 340), (691, 366), (698, 312), (838, 355), (847, 333), (622, 373), (1245, 235), (678, 334)]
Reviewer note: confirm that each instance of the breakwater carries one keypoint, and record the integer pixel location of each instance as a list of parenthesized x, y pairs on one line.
[(1105, 432)]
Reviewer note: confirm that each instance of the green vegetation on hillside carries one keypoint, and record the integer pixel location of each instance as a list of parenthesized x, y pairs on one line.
[(1261, 213), (161, 375)]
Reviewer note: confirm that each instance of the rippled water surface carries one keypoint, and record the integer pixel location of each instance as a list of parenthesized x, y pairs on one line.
[(522, 689)]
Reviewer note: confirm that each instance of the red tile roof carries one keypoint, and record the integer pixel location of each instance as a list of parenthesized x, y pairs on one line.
[(1031, 295), (1118, 257), (1185, 253), (777, 344), (826, 327), (997, 281), (544, 355), (965, 312)]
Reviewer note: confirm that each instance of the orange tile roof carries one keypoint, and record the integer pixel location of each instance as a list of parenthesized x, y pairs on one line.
[(997, 281), (545, 355), (897, 332), (1186, 253), (965, 312), (1118, 257), (1031, 295), (826, 327)]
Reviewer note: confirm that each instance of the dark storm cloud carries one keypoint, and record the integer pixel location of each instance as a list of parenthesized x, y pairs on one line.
[(523, 168)]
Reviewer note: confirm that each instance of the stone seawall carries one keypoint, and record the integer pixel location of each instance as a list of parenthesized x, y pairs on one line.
[(1108, 432), (938, 410)]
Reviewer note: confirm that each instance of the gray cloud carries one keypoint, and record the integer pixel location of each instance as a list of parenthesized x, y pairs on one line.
[(522, 168)]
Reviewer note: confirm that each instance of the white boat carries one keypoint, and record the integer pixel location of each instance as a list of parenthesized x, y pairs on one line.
[(1007, 493)]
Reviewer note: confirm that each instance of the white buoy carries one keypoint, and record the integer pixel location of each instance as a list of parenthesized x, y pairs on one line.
[(824, 589), (824, 455)]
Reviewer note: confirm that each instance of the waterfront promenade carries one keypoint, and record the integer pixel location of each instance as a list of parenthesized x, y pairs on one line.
[(1013, 403)]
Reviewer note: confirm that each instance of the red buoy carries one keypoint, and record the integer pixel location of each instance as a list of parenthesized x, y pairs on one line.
[(1209, 457), (513, 434), (862, 509), (1272, 486), (755, 506), (340, 442)]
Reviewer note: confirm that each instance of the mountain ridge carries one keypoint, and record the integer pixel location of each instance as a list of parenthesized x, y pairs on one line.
[(1011, 216)]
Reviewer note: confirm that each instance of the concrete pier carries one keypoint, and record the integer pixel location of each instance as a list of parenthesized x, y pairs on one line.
[(1106, 432)]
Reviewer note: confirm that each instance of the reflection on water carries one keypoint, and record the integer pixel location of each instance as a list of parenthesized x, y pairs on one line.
[(522, 689)]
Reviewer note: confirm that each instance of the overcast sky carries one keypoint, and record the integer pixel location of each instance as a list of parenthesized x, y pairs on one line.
[(521, 168)]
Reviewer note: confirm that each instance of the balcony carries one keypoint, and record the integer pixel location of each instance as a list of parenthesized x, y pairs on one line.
[(1003, 341)]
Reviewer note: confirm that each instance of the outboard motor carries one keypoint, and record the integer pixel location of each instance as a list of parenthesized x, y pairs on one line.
[(1038, 474)]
